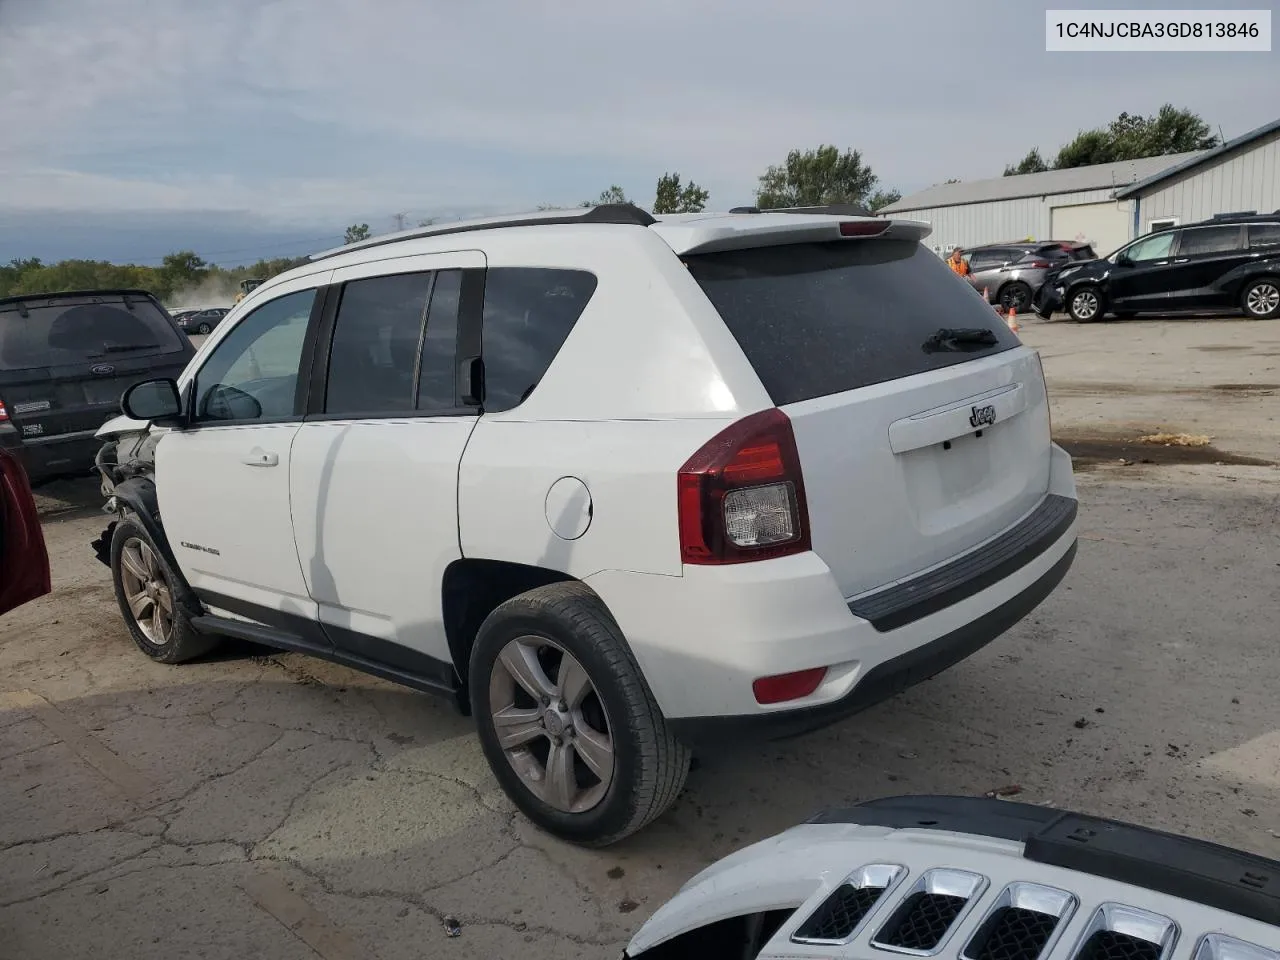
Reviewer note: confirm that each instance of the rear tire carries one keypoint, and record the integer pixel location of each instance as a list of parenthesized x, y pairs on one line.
[(1015, 295), (154, 601), (1261, 299), (589, 758), (203, 329), (1086, 305)]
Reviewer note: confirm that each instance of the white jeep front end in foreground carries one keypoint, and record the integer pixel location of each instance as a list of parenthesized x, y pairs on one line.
[(972, 879)]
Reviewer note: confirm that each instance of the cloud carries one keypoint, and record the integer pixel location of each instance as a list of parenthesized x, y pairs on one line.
[(306, 110)]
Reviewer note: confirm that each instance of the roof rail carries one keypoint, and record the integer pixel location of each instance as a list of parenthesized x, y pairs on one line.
[(619, 213)]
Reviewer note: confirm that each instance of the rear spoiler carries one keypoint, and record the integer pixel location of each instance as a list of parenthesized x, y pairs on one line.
[(830, 209), (713, 236)]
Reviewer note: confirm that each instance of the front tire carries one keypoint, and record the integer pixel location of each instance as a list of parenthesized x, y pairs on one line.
[(152, 597), (1261, 299), (1085, 304), (203, 329), (566, 720)]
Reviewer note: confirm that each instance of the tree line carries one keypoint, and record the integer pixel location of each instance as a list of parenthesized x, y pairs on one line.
[(1127, 137), (179, 273), (822, 175)]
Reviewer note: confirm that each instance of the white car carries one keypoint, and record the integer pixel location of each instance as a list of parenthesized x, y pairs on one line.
[(620, 486), (961, 878)]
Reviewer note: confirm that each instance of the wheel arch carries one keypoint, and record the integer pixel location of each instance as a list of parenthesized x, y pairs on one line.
[(471, 589)]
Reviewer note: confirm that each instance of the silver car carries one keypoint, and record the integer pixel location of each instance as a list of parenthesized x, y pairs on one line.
[(1010, 273)]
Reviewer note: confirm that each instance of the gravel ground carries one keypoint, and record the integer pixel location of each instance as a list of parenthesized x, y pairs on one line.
[(263, 804)]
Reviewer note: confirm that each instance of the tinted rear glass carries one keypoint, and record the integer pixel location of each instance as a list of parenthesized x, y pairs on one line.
[(69, 332), (818, 319)]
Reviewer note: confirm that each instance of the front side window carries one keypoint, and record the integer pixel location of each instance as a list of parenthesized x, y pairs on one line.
[(1151, 248), (439, 343), (375, 345), (253, 373), (528, 314), (1208, 240)]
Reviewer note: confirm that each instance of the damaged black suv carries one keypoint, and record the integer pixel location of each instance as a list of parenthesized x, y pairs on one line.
[(65, 360)]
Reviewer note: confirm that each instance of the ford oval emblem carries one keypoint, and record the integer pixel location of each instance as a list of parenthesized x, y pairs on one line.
[(102, 370)]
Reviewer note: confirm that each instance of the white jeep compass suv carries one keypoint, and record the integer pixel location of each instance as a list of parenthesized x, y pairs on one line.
[(620, 486)]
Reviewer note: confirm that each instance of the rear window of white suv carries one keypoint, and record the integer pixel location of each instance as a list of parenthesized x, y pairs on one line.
[(821, 318)]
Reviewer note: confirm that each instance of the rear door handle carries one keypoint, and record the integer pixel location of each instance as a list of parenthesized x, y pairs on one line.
[(1183, 260), (260, 458)]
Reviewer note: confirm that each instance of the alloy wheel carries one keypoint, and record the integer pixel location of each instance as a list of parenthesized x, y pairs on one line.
[(551, 724), (1085, 305), (1263, 299), (146, 591), (1015, 297)]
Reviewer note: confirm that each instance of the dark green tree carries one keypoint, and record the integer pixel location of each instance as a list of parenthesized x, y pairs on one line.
[(673, 197), (1031, 163), (1132, 137), (882, 198), (816, 177), (615, 194), (356, 232)]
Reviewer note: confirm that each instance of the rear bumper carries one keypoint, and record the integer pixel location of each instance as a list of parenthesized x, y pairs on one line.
[(701, 639), (45, 458), (883, 681)]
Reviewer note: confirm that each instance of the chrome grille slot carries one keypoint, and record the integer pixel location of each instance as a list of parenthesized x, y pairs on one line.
[(1216, 946), (1024, 924), (933, 908), (1118, 932), (839, 917)]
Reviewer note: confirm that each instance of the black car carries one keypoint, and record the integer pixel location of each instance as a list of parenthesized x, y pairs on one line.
[(200, 321), (1223, 263), (65, 360)]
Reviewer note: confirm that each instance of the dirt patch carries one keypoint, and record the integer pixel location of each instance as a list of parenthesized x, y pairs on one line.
[(1177, 439), (1091, 451), (1245, 387), (1219, 347)]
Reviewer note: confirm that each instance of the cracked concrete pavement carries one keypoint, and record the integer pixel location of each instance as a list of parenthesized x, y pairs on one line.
[(262, 804)]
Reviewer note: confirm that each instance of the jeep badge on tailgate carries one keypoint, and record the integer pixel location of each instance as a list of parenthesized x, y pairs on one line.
[(983, 416)]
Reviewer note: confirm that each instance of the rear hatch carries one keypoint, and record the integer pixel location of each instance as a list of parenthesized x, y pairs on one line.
[(921, 421), (66, 359)]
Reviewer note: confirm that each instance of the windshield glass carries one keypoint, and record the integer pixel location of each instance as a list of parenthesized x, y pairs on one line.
[(62, 332)]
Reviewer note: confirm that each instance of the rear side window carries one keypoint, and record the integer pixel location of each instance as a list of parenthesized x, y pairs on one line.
[(83, 330), (1264, 235), (376, 338), (818, 319), (1206, 240), (528, 314)]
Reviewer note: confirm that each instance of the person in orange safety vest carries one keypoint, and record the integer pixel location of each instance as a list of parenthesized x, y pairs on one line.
[(958, 263)]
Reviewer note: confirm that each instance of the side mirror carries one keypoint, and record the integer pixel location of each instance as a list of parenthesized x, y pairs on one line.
[(230, 403), (154, 400), (1124, 260)]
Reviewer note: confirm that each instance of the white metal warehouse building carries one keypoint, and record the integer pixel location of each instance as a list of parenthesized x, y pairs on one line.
[(1108, 204)]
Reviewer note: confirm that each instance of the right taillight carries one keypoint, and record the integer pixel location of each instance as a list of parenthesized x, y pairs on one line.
[(4, 414), (741, 496)]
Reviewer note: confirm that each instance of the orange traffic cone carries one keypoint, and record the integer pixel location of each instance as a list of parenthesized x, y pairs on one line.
[(1012, 319)]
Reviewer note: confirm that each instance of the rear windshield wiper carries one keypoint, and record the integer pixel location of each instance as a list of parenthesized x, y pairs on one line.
[(949, 338), (126, 347)]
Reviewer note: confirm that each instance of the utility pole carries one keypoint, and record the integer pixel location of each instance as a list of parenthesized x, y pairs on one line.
[(399, 219)]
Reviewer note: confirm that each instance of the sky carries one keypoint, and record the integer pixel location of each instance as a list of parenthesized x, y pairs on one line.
[(248, 128)]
